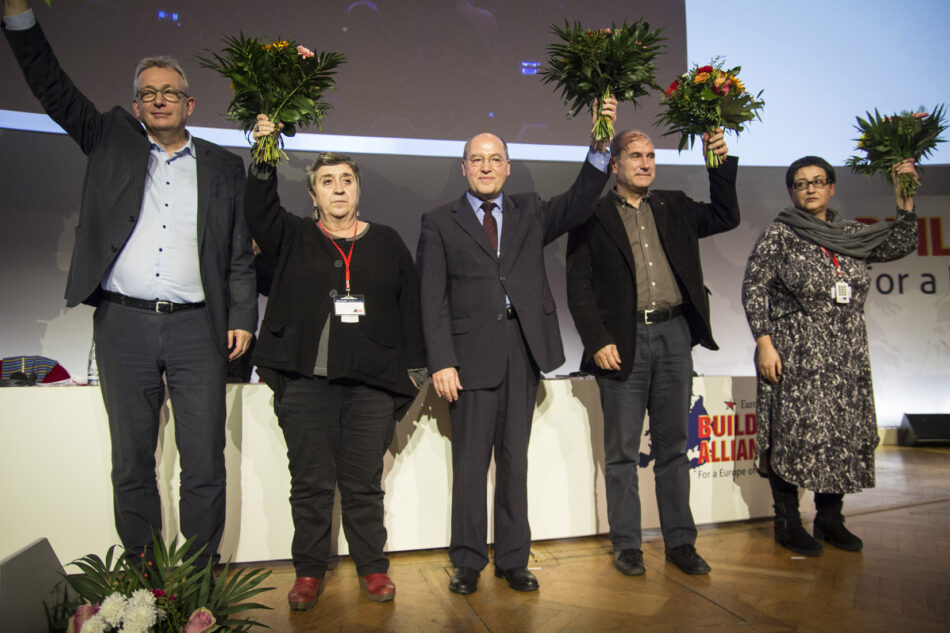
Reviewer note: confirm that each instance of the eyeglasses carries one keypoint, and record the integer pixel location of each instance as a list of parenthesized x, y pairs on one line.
[(819, 183), (170, 95), (477, 161)]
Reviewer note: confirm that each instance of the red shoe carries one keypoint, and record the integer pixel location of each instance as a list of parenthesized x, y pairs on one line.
[(378, 587), (305, 592)]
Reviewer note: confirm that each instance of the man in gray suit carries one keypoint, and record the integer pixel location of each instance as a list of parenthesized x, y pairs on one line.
[(163, 253), (490, 325)]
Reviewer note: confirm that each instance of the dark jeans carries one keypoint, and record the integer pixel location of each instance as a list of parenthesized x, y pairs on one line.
[(661, 383), (134, 350), (337, 434)]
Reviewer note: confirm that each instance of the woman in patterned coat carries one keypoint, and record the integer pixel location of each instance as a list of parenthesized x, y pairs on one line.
[(804, 291)]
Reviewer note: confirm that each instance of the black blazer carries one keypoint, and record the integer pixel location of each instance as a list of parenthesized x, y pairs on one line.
[(464, 283), (117, 150), (379, 349), (601, 282)]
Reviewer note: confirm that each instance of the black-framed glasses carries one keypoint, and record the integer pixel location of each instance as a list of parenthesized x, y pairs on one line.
[(818, 183), (171, 95)]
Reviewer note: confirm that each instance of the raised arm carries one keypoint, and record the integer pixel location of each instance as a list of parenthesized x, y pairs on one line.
[(57, 94)]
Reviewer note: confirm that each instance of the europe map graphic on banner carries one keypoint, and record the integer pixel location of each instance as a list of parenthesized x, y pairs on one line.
[(715, 438)]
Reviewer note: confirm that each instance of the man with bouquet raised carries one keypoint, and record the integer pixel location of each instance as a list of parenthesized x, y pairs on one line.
[(490, 328), (163, 253), (635, 290)]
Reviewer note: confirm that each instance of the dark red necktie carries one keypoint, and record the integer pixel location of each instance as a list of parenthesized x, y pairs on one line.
[(490, 225)]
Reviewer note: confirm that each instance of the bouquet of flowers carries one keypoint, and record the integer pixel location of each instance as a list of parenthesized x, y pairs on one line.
[(167, 596), (281, 79), (588, 65), (707, 98), (887, 141)]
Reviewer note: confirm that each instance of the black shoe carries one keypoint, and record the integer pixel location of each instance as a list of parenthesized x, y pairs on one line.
[(686, 558), (832, 530), (519, 579), (629, 562), (464, 580), (790, 534)]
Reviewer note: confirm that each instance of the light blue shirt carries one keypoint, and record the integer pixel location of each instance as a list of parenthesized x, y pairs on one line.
[(160, 259), (20, 22), (480, 213)]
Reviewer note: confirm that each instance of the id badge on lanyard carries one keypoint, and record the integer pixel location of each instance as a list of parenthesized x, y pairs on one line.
[(348, 307), (841, 290)]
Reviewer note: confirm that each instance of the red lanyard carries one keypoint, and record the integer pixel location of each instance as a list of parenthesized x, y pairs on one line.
[(346, 258), (834, 258)]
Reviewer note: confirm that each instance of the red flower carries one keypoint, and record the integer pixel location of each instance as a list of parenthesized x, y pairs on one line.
[(673, 87), (722, 86), (704, 69)]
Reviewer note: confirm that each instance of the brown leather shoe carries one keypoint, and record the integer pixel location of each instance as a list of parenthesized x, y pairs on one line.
[(378, 587), (305, 592)]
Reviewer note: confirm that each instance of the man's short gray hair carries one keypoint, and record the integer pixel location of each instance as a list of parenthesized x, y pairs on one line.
[(159, 61)]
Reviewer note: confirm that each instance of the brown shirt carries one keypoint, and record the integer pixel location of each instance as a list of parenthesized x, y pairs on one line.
[(656, 286)]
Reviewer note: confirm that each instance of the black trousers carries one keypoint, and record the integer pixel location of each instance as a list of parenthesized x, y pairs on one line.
[(499, 419), (135, 349), (337, 434)]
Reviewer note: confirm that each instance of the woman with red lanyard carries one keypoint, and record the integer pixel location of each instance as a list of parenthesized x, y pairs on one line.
[(804, 291), (341, 346)]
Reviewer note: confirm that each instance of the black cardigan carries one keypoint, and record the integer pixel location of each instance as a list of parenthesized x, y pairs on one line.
[(381, 347), (601, 283)]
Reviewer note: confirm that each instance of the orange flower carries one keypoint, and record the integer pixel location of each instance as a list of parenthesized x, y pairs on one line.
[(701, 77)]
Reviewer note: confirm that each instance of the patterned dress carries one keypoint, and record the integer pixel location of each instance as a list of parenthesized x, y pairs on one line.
[(818, 423)]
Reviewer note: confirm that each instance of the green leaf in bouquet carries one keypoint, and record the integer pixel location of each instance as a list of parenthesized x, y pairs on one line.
[(585, 64), (281, 79)]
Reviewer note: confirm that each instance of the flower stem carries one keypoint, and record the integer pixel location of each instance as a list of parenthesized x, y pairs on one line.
[(713, 160), (604, 127), (908, 186)]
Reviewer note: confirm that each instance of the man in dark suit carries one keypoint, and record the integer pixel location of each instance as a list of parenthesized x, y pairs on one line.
[(636, 292), (490, 326), (163, 252)]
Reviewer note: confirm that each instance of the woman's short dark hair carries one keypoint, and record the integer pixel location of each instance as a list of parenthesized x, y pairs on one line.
[(329, 159), (809, 161)]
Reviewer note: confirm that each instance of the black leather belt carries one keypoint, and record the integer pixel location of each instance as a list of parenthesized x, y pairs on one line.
[(163, 307), (652, 317), (510, 313)]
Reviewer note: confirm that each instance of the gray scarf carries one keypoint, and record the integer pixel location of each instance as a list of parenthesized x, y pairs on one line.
[(832, 234)]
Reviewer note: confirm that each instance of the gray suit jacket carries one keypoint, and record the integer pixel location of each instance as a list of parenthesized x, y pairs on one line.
[(463, 282), (117, 150)]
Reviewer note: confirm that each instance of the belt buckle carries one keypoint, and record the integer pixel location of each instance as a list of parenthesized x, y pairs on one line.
[(646, 316), (164, 307)]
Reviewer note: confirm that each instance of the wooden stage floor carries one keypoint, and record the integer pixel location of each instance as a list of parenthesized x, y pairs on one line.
[(900, 582)]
